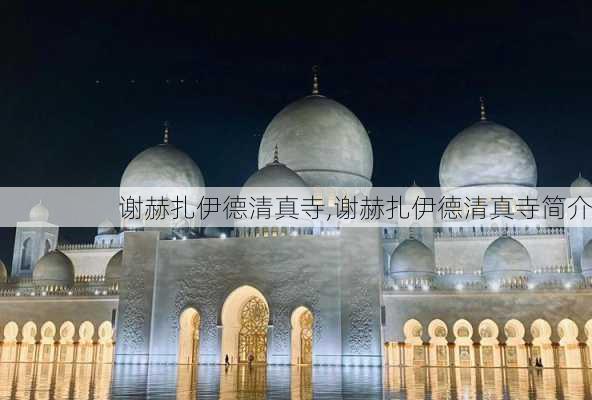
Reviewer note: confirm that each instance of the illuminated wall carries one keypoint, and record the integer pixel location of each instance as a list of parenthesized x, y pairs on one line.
[(338, 278)]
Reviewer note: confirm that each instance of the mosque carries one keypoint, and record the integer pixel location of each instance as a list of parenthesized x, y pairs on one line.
[(495, 295)]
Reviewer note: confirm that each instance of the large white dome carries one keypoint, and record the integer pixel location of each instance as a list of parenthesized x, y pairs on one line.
[(506, 255), (322, 141), (163, 165), (487, 153), (163, 171), (54, 268)]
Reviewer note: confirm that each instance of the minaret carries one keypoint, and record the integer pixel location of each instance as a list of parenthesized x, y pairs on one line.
[(33, 239), (315, 80), (482, 103)]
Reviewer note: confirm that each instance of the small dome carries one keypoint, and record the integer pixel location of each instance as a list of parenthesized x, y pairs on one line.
[(487, 153), (39, 213), (275, 174), (412, 256), (580, 187), (322, 141), (3, 273), (413, 193), (504, 255), (106, 228), (114, 267), (54, 268)]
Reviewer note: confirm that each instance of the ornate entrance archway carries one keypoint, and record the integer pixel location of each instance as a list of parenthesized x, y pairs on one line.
[(245, 321)]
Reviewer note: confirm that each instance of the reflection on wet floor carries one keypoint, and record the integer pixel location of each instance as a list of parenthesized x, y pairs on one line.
[(103, 381), (42, 381), (486, 383)]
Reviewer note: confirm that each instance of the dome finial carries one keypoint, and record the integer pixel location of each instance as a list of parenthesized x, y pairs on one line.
[(165, 139), (276, 157), (315, 79), (482, 103)]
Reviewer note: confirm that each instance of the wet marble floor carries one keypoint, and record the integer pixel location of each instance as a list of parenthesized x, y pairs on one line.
[(103, 381)]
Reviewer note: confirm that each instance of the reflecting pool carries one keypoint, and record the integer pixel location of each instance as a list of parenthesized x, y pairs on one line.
[(103, 381)]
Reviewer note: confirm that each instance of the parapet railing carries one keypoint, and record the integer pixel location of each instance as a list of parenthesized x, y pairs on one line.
[(545, 269), (83, 286), (494, 232), (89, 246), (473, 283)]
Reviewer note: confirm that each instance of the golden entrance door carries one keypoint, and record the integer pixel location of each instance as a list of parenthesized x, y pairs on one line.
[(252, 337), (306, 322)]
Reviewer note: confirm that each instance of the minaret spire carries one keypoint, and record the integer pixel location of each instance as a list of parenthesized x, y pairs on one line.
[(315, 80), (165, 139), (482, 103)]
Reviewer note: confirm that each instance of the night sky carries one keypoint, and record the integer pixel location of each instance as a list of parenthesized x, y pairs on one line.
[(412, 75)]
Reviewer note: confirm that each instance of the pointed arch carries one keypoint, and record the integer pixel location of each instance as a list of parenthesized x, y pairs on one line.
[(28, 351), (48, 331), (302, 321), (29, 332), (568, 331), (414, 350), (412, 330), (464, 353), (106, 332), (515, 350), (11, 331), (9, 345), (438, 331), (514, 331), (245, 321), (569, 350), (47, 346), (66, 342), (85, 350), (86, 332), (67, 331), (541, 343), (105, 344), (489, 345), (189, 334)]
